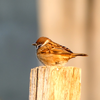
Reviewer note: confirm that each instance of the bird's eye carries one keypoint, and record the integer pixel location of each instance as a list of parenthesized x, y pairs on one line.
[(38, 46)]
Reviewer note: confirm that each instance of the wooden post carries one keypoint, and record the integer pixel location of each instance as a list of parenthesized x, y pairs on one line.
[(55, 83)]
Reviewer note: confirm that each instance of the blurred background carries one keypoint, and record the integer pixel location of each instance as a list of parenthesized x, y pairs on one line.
[(72, 23)]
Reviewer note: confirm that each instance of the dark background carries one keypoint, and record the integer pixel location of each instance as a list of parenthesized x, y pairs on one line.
[(18, 30)]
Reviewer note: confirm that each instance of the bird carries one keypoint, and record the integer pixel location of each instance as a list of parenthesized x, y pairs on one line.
[(53, 54)]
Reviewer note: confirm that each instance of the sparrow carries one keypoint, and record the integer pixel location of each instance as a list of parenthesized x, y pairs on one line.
[(53, 54)]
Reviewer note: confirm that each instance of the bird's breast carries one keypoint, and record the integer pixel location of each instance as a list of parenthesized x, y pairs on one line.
[(52, 59)]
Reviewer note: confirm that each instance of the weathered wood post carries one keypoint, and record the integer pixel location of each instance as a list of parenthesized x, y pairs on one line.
[(55, 83)]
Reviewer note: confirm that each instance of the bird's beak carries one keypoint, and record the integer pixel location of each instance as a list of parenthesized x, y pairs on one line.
[(34, 44)]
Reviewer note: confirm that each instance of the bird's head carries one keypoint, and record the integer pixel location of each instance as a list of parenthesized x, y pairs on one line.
[(41, 42)]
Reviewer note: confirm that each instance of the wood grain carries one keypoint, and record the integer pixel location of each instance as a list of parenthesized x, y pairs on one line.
[(55, 83)]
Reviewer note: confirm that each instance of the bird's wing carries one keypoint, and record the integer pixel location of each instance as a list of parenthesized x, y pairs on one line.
[(54, 48), (67, 49), (60, 51)]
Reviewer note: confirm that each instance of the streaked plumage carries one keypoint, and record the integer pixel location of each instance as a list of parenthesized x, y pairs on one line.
[(52, 54)]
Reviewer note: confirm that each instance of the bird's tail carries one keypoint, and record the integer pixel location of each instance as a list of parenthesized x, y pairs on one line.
[(78, 54)]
